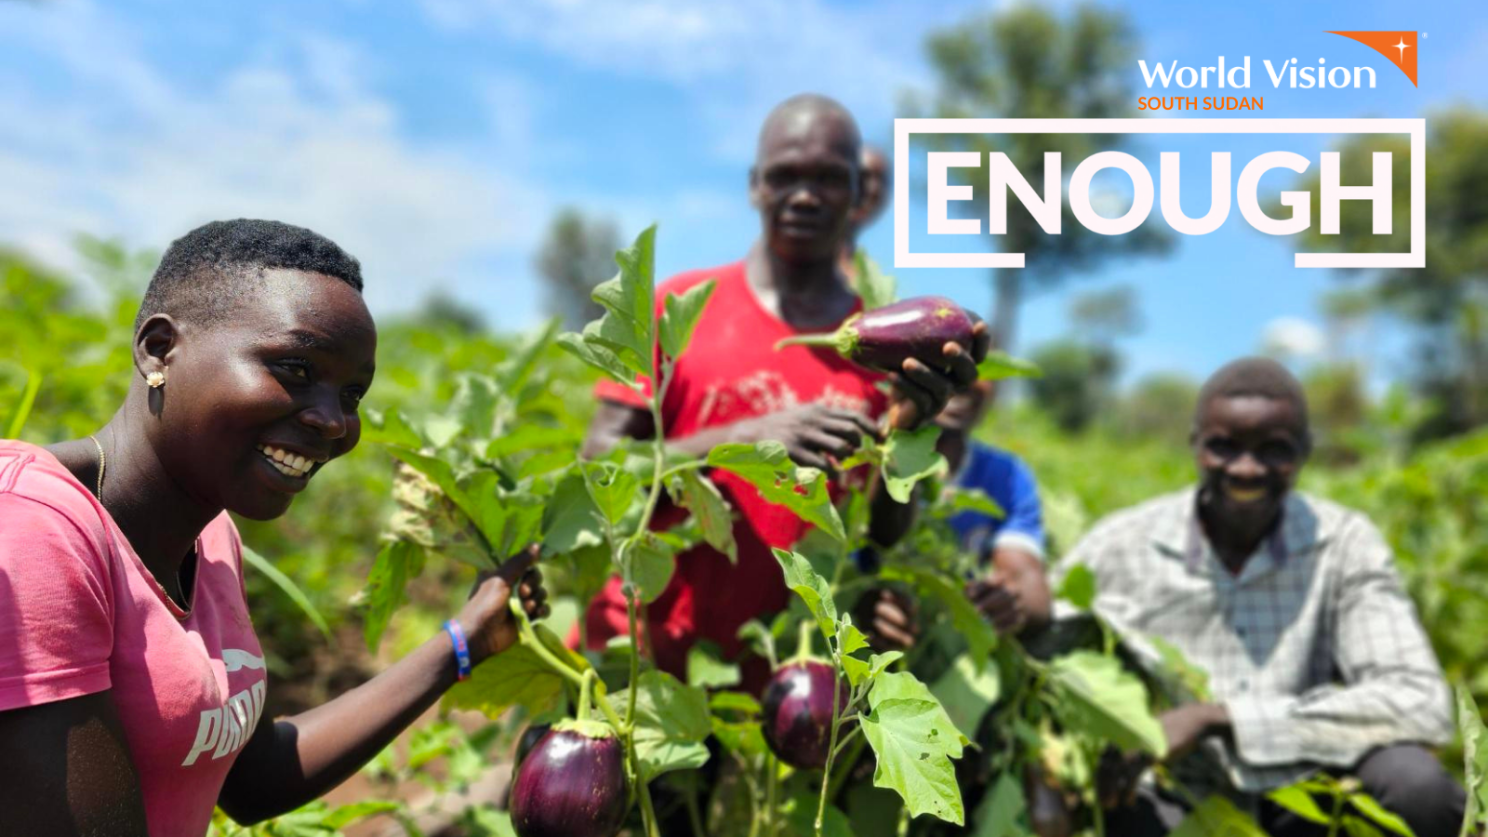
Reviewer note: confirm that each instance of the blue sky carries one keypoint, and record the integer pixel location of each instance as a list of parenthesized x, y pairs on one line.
[(435, 139)]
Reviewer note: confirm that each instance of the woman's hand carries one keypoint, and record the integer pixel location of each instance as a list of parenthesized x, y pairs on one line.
[(487, 619)]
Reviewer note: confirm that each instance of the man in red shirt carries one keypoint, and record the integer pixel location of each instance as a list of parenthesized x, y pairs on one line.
[(731, 385)]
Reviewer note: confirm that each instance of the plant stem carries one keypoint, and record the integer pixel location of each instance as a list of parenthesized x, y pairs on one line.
[(643, 527), (648, 814), (529, 638), (685, 466), (771, 772), (755, 798), (635, 653), (845, 767), (803, 645), (1337, 814), (846, 740), (693, 814), (821, 805), (585, 689)]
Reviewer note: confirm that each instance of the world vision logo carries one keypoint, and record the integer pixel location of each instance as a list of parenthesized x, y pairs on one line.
[(1399, 47)]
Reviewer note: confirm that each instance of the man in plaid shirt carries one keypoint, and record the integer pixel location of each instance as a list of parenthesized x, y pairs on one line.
[(1315, 655)]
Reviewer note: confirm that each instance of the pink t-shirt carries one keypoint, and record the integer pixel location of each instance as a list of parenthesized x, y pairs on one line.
[(79, 613)]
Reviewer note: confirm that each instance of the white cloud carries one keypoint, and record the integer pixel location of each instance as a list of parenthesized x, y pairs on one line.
[(137, 154), (1292, 338), (737, 58)]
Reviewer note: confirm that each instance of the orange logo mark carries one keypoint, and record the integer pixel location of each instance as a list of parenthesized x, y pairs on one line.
[(1399, 47)]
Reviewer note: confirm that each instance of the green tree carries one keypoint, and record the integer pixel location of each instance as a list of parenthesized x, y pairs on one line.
[(1447, 301), (1027, 63), (1076, 383), (1158, 407), (577, 254)]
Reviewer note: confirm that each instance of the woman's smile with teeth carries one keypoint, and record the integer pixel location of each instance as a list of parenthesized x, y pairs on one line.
[(288, 464)]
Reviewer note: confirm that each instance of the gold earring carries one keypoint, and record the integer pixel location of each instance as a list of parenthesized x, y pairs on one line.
[(156, 380)]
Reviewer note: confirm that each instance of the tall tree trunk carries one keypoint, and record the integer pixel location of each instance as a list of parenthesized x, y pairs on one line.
[(1007, 287)]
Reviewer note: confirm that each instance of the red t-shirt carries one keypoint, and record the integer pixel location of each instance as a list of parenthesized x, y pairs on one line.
[(80, 613), (730, 372)]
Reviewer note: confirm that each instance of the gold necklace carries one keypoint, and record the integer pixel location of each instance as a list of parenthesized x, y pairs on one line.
[(102, 467)]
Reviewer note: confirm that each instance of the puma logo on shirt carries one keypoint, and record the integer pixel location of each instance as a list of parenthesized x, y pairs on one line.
[(225, 729)]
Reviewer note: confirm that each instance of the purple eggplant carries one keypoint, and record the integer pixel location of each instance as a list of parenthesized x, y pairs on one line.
[(572, 784), (884, 338), (798, 712), (530, 736)]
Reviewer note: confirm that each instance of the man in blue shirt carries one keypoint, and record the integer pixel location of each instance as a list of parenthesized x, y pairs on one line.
[(1013, 592)]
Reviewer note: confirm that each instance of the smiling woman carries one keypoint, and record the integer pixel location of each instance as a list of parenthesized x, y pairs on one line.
[(131, 680)]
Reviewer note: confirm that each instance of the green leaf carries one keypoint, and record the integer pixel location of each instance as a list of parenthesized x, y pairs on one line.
[(672, 722), (512, 373), (1475, 760), (998, 814), (859, 672), (740, 702), (875, 287), (910, 456), (391, 428), (1096, 697), (701, 497), (998, 365), (980, 636), (800, 818), (508, 520), (915, 742), (736, 722), (1192, 680), (345, 815), (967, 693), (975, 499), (628, 329), (1217, 817), (288, 587), (612, 488), (680, 317), (648, 564), (527, 437), (1372, 809), (439, 472), (571, 520), (1297, 800), (396, 562), (1078, 587), (488, 822), (596, 355), (23, 409), (812, 588), (767, 467), (706, 669), (849, 638), (475, 404), (902, 685), (516, 677), (1357, 827)]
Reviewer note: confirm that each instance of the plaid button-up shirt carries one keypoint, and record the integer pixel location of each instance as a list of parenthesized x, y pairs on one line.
[(1314, 648)]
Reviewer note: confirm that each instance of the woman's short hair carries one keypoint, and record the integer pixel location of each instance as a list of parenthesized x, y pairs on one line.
[(206, 271)]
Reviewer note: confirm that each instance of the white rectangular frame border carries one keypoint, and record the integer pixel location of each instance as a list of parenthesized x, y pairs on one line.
[(1416, 128)]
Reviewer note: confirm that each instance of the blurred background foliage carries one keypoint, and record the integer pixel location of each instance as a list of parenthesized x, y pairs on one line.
[(1413, 457), (1094, 446)]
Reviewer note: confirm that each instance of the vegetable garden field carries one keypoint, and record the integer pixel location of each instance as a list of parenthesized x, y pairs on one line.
[(470, 453)]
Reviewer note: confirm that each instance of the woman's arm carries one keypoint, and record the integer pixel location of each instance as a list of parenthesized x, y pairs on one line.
[(68, 772), (295, 760)]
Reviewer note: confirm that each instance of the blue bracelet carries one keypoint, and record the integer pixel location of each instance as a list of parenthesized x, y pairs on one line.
[(462, 649)]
